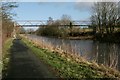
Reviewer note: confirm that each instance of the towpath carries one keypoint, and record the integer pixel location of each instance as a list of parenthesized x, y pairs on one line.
[(25, 64)]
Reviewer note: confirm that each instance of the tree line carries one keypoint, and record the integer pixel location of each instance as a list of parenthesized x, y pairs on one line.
[(7, 20), (105, 17), (53, 27), (106, 21)]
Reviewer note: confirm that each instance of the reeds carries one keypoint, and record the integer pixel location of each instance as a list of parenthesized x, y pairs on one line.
[(71, 50)]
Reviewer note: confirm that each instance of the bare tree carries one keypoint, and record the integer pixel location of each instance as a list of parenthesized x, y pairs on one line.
[(119, 13), (65, 19), (50, 21), (104, 16), (7, 23), (112, 15)]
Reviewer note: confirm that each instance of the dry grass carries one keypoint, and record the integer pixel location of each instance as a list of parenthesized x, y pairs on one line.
[(87, 68), (69, 52)]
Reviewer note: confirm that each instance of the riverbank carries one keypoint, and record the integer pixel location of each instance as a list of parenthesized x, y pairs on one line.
[(103, 38), (91, 37), (24, 64), (108, 38), (5, 55), (80, 38), (68, 66)]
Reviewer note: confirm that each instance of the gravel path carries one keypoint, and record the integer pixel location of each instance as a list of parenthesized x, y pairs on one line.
[(24, 63)]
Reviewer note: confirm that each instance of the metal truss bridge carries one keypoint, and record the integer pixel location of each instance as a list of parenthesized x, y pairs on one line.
[(40, 23)]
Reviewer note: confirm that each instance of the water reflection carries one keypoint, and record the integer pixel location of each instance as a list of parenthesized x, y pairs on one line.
[(107, 54), (103, 53)]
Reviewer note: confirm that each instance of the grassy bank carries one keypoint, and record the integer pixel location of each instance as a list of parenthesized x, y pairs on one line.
[(5, 55), (68, 67)]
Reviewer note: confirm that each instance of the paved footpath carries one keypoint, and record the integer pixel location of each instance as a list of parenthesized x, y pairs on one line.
[(25, 64)]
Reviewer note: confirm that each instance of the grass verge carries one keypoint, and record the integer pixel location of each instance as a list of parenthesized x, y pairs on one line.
[(67, 67), (5, 55)]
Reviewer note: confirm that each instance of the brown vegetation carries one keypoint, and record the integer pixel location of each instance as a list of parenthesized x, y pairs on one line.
[(7, 23)]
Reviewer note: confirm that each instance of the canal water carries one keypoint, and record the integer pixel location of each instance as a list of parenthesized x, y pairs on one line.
[(103, 53)]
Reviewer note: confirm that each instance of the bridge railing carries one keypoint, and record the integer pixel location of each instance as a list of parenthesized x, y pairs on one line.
[(40, 23)]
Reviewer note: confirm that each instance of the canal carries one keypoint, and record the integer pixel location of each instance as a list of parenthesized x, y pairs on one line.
[(102, 53)]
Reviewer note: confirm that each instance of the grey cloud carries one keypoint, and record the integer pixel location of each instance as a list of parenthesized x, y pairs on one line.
[(83, 6)]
